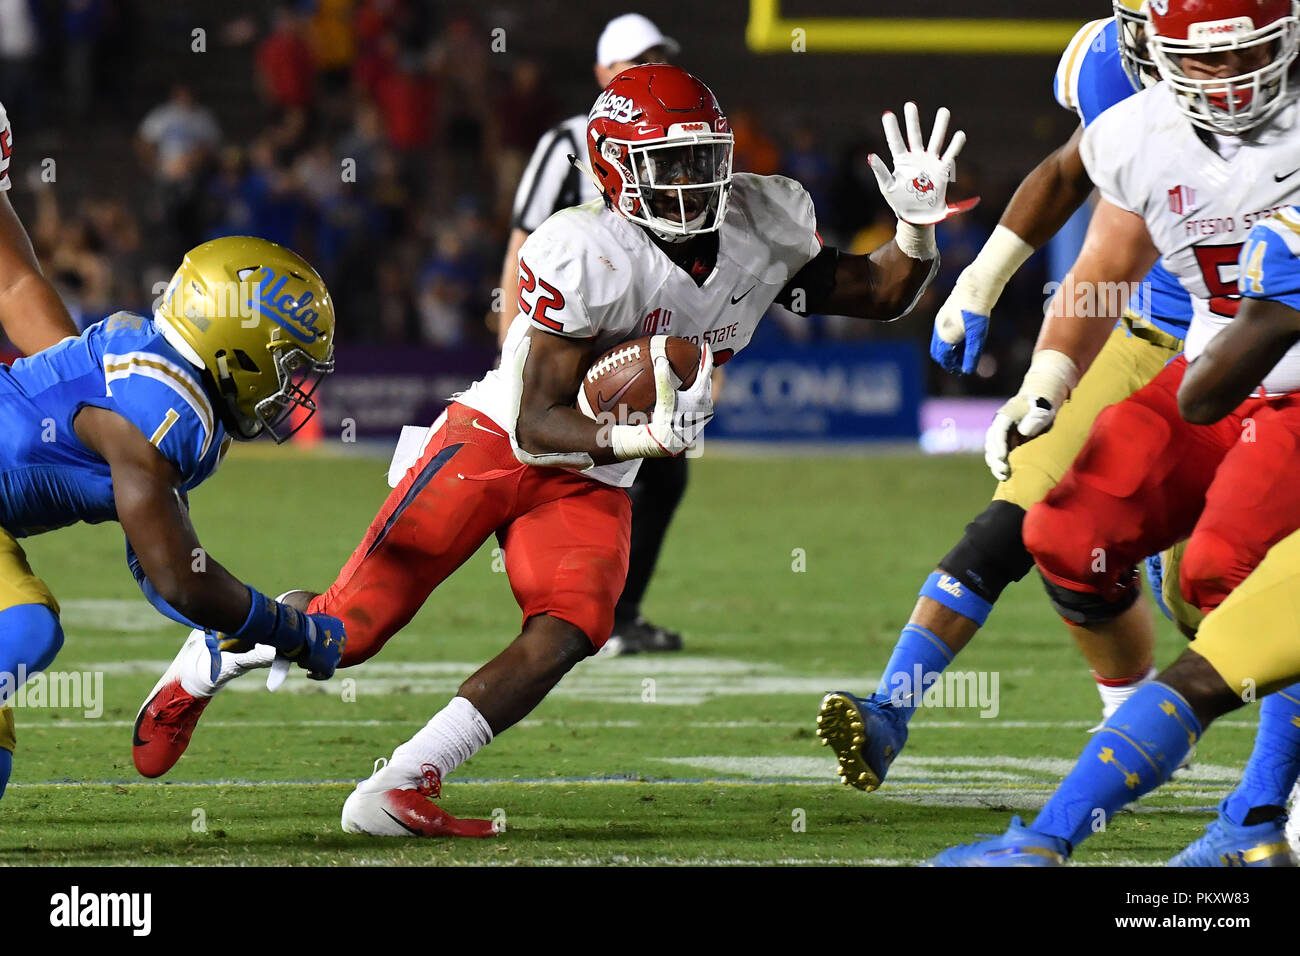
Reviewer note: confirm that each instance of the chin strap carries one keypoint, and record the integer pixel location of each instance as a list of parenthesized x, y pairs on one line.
[(575, 162)]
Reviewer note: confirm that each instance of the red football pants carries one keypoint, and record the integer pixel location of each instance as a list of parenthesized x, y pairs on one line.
[(565, 538), (1145, 480)]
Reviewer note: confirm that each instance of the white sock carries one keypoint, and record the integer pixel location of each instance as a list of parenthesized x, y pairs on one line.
[(1114, 694), (455, 734)]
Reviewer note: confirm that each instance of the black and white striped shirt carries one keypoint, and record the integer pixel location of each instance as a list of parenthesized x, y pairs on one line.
[(550, 183)]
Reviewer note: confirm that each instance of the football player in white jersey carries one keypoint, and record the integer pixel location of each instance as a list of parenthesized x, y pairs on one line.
[(1185, 169), (677, 244), (551, 183), (31, 313)]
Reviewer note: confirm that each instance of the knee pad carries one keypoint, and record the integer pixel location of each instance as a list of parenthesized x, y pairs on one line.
[(1084, 608), (30, 637), (990, 554)]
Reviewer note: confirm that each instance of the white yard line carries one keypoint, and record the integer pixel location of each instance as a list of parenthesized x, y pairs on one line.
[(88, 724)]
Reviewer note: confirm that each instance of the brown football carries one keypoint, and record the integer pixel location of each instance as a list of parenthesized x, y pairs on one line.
[(622, 381)]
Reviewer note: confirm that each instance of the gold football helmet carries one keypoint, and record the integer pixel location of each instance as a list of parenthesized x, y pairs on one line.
[(258, 322), (1134, 29)]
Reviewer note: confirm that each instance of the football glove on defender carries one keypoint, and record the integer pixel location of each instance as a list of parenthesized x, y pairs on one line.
[(917, 189), (962, 323), (678, 417), (313, 641), (1051, 377)]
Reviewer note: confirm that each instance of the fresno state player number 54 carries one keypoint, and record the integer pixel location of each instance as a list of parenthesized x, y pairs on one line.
[(1215, 261), (552, 299)]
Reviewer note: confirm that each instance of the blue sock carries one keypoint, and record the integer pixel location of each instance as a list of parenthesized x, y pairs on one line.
[(6, 768), (918, 659), (1135, 751), (1275, 762)]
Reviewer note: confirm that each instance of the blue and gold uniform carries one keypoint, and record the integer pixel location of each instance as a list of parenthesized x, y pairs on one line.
[(49, 479), (235, 349)]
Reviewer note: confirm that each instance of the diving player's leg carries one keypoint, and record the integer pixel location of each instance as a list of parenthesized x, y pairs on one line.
[(867, 733), (7, 744), (566, 557), (656, 493), (30, 637), (1248, 643), (445, 507)]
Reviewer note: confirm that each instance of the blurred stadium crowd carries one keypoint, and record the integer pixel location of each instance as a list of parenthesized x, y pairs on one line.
[(389, 139)]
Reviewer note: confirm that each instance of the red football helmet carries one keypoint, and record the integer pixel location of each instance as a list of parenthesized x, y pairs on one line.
[(1234, 104), (660, 149)]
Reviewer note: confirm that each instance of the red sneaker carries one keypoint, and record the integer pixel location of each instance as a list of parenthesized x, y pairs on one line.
[(379, 808), (164, 726)]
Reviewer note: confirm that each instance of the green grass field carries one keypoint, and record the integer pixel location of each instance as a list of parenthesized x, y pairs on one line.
[(703, 757)]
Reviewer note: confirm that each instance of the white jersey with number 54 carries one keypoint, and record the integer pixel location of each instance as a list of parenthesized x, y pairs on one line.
[(1199, 202), (588, 273)]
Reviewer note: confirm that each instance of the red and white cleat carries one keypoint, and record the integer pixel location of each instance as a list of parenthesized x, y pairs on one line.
[(380, 806), (163, 728), (167, 718)]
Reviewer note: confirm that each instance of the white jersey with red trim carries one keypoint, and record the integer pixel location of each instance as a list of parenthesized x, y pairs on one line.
[(6, 148), (1199, 202), (588, 273)]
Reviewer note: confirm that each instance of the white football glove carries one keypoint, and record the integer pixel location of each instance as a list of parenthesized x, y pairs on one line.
[(1048, 383), (917, 189), (678, 417)]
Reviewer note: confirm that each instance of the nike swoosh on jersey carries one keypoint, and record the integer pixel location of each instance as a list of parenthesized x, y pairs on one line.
[(737, 298), (605, 404), (1278, 179), (485, 429)]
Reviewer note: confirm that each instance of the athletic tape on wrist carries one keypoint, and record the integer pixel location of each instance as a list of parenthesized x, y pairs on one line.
[(917, 242), (952, 594)]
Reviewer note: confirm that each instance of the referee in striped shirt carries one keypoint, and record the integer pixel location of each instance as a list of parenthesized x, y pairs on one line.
[(551, 183)]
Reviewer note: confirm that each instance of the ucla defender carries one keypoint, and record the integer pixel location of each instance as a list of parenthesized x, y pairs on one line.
[(1107, 62), (122, 422), (1250, 641), (676, 235)]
